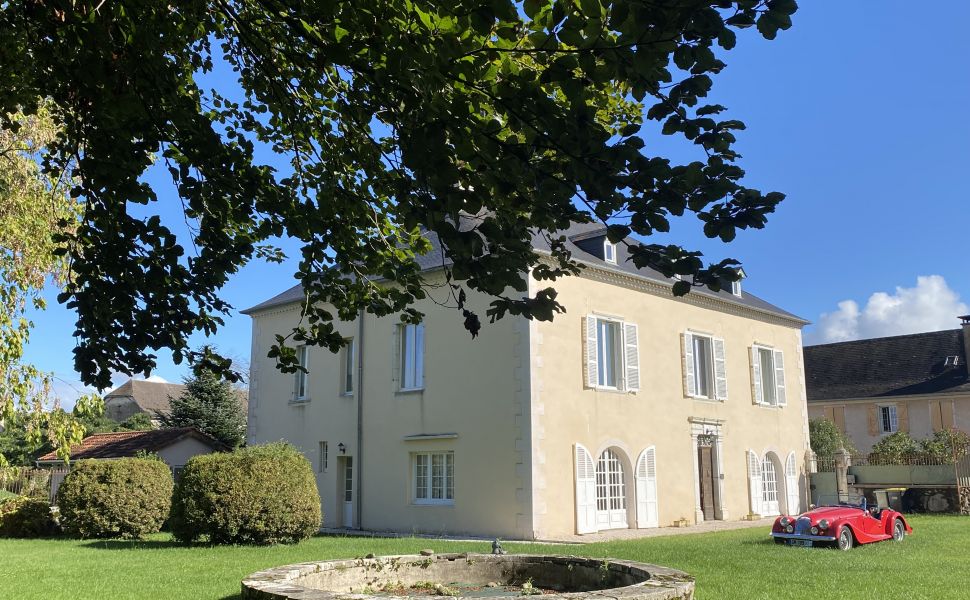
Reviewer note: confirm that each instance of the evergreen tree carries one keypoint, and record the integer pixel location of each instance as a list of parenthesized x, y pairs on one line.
[(212, 406)]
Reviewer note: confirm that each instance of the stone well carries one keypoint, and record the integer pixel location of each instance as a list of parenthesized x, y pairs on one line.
[(558, 577)]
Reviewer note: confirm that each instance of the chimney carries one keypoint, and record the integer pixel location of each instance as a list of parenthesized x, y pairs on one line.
[(965, 321)]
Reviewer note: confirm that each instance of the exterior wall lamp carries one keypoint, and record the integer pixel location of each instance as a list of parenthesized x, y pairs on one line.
[(342, 448)]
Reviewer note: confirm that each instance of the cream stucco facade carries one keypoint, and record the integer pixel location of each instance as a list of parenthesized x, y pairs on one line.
[(513, 409)]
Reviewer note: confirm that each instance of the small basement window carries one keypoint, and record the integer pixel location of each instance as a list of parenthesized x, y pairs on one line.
[(609, 252)]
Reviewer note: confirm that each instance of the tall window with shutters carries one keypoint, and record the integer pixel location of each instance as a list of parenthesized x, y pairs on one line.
[(347, 363), (301, 384), (412, 357), (888, 419), (612, 354), (768, 376), (705, 367)]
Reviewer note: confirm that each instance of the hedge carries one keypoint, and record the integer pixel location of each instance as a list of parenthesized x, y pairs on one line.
[(255, 495), (126, 498), (23, 517)]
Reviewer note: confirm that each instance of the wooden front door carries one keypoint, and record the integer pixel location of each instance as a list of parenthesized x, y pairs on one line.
[(705, 467)]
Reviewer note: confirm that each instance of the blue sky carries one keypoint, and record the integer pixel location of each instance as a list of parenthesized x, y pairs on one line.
[(858, 113)]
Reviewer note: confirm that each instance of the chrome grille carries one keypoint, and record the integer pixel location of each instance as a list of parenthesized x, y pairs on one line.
[(803, 526)]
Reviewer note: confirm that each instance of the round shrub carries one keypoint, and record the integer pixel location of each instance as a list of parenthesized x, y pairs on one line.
[(23, 517), (126, 498), (256, 495)]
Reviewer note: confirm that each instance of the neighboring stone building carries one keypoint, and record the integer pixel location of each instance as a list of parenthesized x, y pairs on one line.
[(140, 396), (632, 409), (174, 446), (871, 388), (148, 396)]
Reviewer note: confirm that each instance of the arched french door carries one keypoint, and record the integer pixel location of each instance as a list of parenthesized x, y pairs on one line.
[(646, 479), (769, 487), (611, 512)]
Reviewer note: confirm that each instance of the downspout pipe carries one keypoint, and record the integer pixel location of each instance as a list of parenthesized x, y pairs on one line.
[(360, 421)]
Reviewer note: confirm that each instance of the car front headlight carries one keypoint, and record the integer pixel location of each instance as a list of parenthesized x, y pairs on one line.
[(789, 529), (823, 524), (784, 521), (814, 530)]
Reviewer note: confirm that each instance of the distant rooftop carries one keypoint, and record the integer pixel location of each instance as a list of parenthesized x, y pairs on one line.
[(919, 363), (124, 444)]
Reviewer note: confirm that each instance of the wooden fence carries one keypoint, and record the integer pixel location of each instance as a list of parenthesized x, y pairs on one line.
[(28, 481), (963, 484)]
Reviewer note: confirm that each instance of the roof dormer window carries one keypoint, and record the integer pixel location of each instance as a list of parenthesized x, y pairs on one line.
[(609, 252), (736, 285)]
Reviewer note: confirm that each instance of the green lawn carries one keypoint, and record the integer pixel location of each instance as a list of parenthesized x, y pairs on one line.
[(742, 564)]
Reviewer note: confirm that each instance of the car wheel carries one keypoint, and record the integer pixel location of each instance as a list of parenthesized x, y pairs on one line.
[(899, 531), (845, 539)]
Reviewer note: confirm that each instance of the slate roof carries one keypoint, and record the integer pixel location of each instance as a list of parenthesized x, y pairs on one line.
[(581, 238), (148, 395), (156, 395), (884, 367), (123, 444)]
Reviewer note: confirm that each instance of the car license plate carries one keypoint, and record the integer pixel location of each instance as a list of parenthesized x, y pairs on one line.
[(804, 543)]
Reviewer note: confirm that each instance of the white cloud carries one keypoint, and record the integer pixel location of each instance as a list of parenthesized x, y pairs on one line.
[(930, 306)]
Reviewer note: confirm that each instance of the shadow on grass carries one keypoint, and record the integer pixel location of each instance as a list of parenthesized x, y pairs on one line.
[(137, 544)]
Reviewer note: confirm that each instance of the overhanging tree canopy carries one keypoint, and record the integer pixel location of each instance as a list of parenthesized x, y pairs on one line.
[(394, 115)]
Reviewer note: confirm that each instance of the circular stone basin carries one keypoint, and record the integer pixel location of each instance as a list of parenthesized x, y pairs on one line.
[(469, 576)]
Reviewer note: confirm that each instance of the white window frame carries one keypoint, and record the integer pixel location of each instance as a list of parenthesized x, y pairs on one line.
[(625, 359), (423, 493), (736, 288), (609, 252), (323, 457), (301, 391), (411, 344), (617, 365), (893, 412), (711, 379), (779, 387), (767, 375), (348, 361)]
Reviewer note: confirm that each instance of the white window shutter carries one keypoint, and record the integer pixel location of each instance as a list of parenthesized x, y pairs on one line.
[(589, 334), (754, 482), (791, 484), (690, 385), (757, 395), (585, 491), (646, 479), (631, 354), (780, 378), (720, 371), (419, 355)]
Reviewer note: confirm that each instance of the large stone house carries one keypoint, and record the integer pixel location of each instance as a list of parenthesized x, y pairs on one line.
[(140, 396), (872, 388), (633, 409)]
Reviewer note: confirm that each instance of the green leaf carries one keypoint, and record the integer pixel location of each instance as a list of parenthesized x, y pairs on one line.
[(592, 9)]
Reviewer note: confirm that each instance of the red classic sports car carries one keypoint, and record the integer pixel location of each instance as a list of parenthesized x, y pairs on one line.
[(843, 522)]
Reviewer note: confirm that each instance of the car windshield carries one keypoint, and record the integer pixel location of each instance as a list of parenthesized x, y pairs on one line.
[(853, 500)]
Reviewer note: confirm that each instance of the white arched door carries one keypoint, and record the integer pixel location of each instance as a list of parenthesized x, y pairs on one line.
[(769, 483), (646, 477), (585, 491), (610, 492), (791, 485)]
